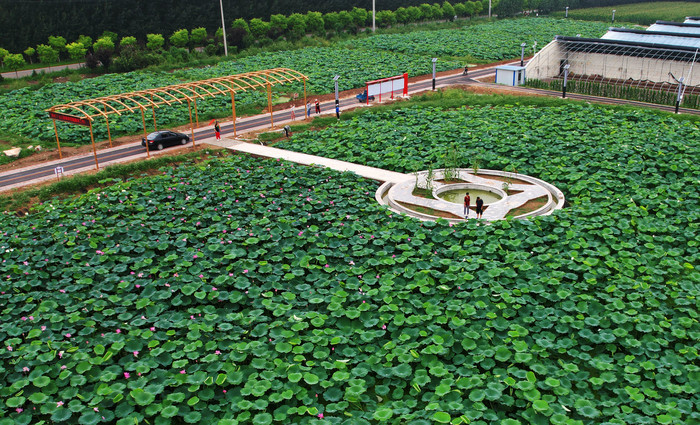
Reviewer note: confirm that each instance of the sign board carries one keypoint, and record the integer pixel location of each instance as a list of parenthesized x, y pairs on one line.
[(58, 171), (69, 118)]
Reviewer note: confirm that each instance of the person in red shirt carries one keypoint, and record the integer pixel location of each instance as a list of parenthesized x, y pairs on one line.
[(467, 199)]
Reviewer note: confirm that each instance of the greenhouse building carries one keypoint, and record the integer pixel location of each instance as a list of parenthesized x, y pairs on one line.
[(656, 58)]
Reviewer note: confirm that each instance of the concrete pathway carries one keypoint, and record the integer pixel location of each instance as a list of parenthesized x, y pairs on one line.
[(304, 159), (28, 72)]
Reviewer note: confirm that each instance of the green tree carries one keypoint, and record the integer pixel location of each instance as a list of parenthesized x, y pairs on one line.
[(239, 35), (29, 53), (314, 22), (415, 14), (199, 36), (111, 35), (76, 50), (278, 26), (14, 61), (104, 49), (296, 26), (180, 38), (3, 54), (345, 21), (359, 16), (259, 28), (85, 40), (385, 18), (460, 9), (57, 43), (448, 11), (46, 54), (331, 22), (402, 15), (509, 7), (128, 41), (155, 42), (477, 7), (437, 11), (426, 11)]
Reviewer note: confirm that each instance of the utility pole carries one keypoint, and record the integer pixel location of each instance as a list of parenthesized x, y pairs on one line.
[(223, 26), (337, 102), (374, 13), (434, 62)]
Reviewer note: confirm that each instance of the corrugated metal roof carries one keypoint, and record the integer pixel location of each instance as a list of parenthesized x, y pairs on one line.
[(675, 28), (649, 37), (628, 48)]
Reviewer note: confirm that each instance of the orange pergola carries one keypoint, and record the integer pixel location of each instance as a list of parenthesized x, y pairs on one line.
[(84, 112)]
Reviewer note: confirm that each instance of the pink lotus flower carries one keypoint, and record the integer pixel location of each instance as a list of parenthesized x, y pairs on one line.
[(153, 329), (59, 404), (136, 353), (118, 331), (217, 352), (19, 410), (183, 372), (126, 375), (320, 415), (245, 271)]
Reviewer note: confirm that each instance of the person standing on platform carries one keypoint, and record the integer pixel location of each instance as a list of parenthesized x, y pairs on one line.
[(318, 107), (467, 201), (217, 130), (479, 207), (308, 109), (291, 113)]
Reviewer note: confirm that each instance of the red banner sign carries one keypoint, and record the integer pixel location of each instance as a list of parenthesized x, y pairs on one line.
[(69, 118)]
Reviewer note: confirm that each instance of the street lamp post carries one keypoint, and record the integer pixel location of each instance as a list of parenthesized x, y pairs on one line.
[(434, 62), (566, 14), (374, 13), (489, 9), (522, 54), (223, 26), (566, 76), (337, 102), (680, 93), (613, 17)]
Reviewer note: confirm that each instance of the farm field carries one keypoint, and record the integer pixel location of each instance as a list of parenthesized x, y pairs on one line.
[(488, 42), (250, 291), (22, 111), (640, 13)]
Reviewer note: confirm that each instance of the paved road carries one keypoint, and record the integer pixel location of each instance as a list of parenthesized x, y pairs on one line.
[(42, 172), (28, 72)]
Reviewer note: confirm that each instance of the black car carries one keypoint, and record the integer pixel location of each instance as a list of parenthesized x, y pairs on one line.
[(161, 139)]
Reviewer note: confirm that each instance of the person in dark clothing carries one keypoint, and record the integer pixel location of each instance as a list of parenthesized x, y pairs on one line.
[(467, 201), (479, 207), (318, 107), (217, 130)]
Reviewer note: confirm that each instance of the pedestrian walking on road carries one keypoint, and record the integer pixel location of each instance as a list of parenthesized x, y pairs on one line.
[(217, 130), (291, 113), (308, 109), (318, 107), (479, 207)]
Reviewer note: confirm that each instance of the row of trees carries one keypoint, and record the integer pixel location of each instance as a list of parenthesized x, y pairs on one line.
[(129, 53), (293, 27)]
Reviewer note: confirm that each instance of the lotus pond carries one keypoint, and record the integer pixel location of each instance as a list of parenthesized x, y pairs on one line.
[(249, 291)]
